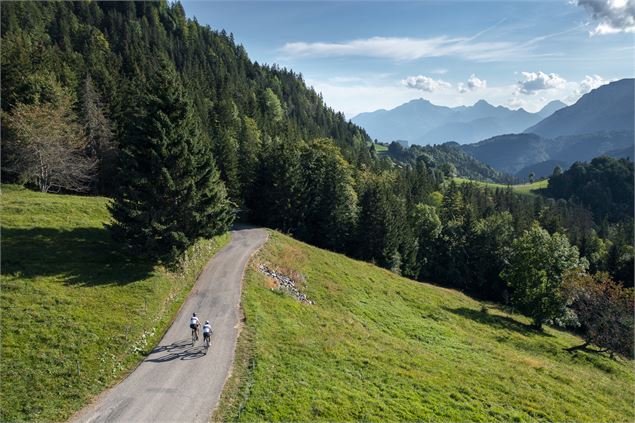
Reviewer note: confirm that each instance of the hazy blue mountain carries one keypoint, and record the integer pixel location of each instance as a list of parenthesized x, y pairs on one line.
[(599, 123), (515, 153), (510, 152), (607, 108), (551, 108), (421, 122)]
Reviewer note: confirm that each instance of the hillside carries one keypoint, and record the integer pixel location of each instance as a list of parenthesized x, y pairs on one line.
[(118, 45), (610, 107), (77, 314), (448, 154), (421, 122), (520, 153), (376, 346)]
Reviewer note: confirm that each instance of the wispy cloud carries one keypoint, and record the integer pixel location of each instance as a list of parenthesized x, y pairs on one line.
[(408, 49)]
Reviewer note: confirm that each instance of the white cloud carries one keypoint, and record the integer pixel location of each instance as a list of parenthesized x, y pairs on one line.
[(612, 16), (538, 81), (425, 83), (589, 83), (408, 49), (473, 84)]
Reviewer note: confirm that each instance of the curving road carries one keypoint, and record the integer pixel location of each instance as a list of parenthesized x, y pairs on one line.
[(178, 382)]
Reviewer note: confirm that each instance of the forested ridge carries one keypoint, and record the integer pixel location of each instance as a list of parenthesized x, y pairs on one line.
[(172, 120)]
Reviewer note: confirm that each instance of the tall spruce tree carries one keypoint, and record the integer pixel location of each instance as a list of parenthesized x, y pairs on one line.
[(170, 193)]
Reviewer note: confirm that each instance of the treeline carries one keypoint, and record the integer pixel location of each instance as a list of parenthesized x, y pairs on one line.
[(604, 186), (173, 121), (451, 159), (94, 57)]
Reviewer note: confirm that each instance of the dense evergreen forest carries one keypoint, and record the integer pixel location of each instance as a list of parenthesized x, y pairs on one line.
[(173, 120)]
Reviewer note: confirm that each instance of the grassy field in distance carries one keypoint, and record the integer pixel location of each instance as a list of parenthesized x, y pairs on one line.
[(528, 188)]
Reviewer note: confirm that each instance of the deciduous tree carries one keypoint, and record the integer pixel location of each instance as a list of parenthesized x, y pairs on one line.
[(537, 264)]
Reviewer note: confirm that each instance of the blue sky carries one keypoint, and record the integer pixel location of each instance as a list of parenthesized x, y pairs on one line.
[(365, 56)]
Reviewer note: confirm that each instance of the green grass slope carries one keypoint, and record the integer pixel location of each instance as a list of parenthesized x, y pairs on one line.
[(379, 347), (76, 314), (528, 189)]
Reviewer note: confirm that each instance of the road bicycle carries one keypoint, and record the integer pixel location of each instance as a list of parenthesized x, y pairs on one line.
[(193, 336)]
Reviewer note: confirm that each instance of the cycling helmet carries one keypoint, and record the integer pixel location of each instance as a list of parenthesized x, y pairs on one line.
[(207, 322), (194, 314)]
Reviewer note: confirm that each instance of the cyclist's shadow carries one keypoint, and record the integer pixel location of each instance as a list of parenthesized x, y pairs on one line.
[(178, 350)]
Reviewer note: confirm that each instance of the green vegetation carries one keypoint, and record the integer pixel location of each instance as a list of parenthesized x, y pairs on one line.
[(77, 314), (449, 157), (526, 189), (537, 265), (604, 186), (378, 347), (170, 194), (381, 148)]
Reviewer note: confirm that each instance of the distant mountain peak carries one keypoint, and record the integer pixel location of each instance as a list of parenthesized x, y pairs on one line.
[(419, 121), (482, 103), (551, 107)]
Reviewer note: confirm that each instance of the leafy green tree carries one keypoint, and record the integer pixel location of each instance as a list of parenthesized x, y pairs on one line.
[(169, 193), (537, 264)]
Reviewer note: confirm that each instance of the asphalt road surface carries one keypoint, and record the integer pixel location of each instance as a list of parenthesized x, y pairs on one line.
[(178, 381)]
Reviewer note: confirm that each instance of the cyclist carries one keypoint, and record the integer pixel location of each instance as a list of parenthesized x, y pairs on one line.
[(194, 324), (207, 331)]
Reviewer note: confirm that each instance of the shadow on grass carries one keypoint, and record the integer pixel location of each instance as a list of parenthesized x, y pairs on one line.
[(82, 256), (496, 321)]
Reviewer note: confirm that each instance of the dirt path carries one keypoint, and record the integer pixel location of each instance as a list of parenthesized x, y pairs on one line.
[(178, 381)]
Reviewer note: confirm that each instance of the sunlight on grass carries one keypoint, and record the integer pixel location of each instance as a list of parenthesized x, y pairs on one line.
[(520, 188), (378, 347), (77, 315)]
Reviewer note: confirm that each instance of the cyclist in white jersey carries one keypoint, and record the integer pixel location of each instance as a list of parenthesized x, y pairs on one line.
[(194, 324), (207, 330)]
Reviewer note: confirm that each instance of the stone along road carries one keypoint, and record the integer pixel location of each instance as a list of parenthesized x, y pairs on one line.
[(178, 381)]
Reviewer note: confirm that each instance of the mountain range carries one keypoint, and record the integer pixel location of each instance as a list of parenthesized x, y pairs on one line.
[(421, 122), (599, 123)]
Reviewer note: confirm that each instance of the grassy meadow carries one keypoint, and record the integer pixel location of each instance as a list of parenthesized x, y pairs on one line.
[(527, 189), (379, 347), (77, 315)]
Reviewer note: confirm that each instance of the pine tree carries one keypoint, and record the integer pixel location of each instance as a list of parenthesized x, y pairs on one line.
[(100, 137), (225, 123), (248, 146), (170, 193)]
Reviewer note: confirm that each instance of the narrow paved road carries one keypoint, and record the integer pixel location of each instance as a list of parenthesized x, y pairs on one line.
[(177, 381)]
